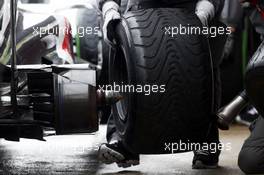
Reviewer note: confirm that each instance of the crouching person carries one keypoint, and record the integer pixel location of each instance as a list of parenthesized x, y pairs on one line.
[(251, 157)]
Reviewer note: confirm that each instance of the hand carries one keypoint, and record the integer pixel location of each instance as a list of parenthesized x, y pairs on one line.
[(111, 17), (205, 11), (203, 18)]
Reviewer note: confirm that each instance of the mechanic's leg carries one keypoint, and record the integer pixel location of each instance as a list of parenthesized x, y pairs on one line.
[(111, 134), (251, 157), (208, 159), (114, 151)]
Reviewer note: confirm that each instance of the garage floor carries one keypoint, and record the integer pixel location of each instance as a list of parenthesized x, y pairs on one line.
[(77, 155)]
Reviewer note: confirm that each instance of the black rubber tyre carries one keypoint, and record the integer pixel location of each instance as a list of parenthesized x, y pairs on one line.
[(123, 6), (145, 55), (88, 44)]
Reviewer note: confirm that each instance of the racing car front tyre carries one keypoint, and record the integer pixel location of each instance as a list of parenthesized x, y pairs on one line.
[(145, 56), (88, 26)]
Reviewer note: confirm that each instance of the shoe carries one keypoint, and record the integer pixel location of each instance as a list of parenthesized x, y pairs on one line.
[(205, 159), (117, 153)]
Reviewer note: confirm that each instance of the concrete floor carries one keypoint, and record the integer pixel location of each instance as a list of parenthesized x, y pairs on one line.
[(78, 155)]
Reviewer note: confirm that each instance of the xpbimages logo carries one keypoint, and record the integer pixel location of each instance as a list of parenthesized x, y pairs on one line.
[(125, 88), (173, 31), (190, 146), (50, 30)]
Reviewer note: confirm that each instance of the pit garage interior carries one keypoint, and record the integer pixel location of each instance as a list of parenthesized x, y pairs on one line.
[(54, 113)]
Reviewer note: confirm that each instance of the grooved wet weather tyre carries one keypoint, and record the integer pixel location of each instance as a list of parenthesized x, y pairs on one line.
[(89, 20), (146, 56)]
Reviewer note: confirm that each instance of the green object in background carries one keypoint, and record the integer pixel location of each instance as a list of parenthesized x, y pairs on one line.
[(245, 47), (78, 46)]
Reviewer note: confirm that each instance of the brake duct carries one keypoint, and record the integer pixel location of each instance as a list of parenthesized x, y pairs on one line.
[(63, 97)]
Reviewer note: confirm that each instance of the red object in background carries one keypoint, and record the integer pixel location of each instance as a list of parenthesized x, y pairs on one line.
[(256, 3), (66, 45)]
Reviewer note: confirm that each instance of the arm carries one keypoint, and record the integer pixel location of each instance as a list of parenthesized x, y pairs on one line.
[(218, 5), (101, 3), (111, 15)]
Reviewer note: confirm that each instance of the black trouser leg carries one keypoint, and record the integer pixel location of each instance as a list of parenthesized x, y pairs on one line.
[(251, 156), (111, 133), (217, 48)]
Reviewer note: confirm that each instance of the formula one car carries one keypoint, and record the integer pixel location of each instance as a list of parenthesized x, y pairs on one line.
[(35, 60), (65, 97)]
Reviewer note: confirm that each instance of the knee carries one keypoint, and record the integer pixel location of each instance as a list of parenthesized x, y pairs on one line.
[(250, 160)]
